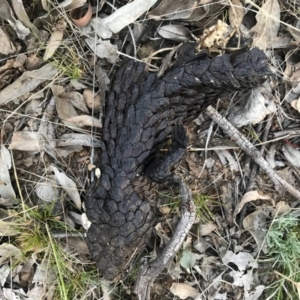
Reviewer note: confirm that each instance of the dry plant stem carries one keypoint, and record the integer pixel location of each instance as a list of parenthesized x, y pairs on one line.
[(150, 270), (247, 147)]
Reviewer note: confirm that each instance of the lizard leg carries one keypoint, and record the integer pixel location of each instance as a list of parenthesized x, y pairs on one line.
[(160, 170)]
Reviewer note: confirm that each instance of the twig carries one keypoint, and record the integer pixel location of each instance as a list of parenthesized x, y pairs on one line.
[(150, 270), (247, 147)]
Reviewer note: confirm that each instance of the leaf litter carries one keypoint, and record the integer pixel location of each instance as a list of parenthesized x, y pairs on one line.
[(51, 106)]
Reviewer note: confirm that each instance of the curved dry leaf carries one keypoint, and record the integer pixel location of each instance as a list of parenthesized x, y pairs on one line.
[(207, 228), (26, 83), (8, 65), (127, 14), (242, 260), (292, 59), (47, 190), (183, 291), (7, 47), (291, 154), (9, 253), (267, 26), (100, 28), (173, 10), (92, 101), (74, 4), (103, 49), (76, 99), (68, 185), (22, 16), (251, 196), (256, 109), (294, 31), (84, 120), (177, 33), (54, 42), (27, 141), (67, 150), (242, 279), (296, 104), (7, 193), (65, 109), (236, 13), (281, 208), (73, 139), (254, 295), (225, 156), (7, 14), (255, 223)]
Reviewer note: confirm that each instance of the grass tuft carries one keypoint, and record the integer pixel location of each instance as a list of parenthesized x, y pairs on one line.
[(283, 241)]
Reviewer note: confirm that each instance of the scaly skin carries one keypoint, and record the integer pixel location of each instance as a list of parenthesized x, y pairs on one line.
[(140, 112)]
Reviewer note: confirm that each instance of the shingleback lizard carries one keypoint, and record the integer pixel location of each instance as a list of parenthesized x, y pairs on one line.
[(141, 111)]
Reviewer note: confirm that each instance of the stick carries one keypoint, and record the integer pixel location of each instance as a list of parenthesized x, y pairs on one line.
[(150, 270), (247, 147)]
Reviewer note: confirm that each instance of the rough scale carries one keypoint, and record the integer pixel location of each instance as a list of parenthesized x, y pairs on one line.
[(140, 113)]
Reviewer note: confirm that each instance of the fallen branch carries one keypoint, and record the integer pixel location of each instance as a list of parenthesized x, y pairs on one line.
[(247, 147), (150, 270)]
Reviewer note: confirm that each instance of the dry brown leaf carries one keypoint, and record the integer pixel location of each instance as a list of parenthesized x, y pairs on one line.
[(22, 16), (103, 49), (53, 43), (27, 141), (9, 228), (207, 228), (296, 104), (292, 154), (92, 101), (204, 9), (76, 99), (183, 291), (127, 14), (251, 196), (9, 253), (47, 189), (173, 10), (65, 151), (7, 47), (64, 108), (7, 193), (177, 33), (26, 83), (255, 223), (8, 65), (74, 4), (84, 120), (98, 26), (73, 139), (20, 60), (281, 208), (7, 14), (294, 31), (243, 260), (236, 13), (68, 185), (267, 26), (257, 107)]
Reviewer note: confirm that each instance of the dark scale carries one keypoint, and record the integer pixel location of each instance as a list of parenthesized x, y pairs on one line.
[(141, 111)]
